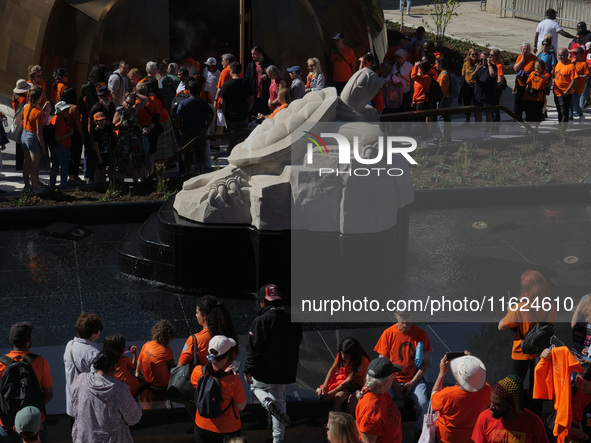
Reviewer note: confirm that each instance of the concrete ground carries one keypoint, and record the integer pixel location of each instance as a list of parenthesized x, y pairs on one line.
[(472, 23)]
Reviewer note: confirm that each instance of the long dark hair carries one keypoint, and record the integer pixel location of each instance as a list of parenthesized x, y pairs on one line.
[(354, 350), (105, 361), (218, 318)]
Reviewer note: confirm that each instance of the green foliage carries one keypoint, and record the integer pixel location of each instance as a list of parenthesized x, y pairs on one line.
[(112, 193), (442, 12)]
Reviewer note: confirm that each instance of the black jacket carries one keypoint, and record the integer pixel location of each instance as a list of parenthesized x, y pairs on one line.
[(272, 352), (251, 77)]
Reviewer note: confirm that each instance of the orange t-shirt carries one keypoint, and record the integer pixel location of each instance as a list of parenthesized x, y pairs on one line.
[(56, 91), (272, 114), (422, 83), (342, 71), (40, 367), (443, 80), (202, 340), (125, 373), (231, 389), (144, 115), (582, 69), (378, 415), (225, 75), (458, 412), (32, 115), (400, 348), (564, 74), (529, 65), (359, 373), (153, 363), (524, 318), (538, 82), (500, 71), (61, 128)]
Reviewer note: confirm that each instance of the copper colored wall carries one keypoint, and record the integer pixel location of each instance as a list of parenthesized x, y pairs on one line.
[(75, 34)]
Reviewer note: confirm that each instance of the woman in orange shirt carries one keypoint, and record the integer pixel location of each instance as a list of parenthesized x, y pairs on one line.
[(61, 77), (283, 98), (221, 351), (346, 376), (534, 93), (32, 138), (35, 73)]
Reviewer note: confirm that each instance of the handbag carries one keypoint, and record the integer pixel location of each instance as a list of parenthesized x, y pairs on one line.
[(16, 128), (180, 389), (532, 91), (428, 431), (537, 339)]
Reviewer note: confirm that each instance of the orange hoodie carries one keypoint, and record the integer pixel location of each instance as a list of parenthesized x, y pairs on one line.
[(552, 379), (422, 82)]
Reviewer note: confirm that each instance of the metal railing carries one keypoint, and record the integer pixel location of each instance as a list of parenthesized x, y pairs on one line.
[(569, 12)]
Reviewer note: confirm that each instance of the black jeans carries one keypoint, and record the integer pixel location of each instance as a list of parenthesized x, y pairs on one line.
[(563, 103)]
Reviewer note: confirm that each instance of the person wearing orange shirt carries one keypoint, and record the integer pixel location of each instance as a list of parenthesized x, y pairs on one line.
[(444, 82), (582, 69), (505, 420), (61, 77), (343, 62), (21, 337), (377, 417), (60, 152), (521, 318), (221, 351), (402, 344), (523, 67), (126, 367), (459, 406), (35, 73), (422, 82), (32, 138), (154, 363), (534, 93), (495, 58), (565, 78)]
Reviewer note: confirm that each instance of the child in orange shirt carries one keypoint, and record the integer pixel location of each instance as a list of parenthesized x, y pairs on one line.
[(345, 376), (422, 82), (534, 92), (126, 367)]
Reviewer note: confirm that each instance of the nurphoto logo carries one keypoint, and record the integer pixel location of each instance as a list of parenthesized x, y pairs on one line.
[(385, 146)]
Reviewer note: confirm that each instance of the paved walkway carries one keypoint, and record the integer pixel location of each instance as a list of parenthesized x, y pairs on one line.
[(471, 24)]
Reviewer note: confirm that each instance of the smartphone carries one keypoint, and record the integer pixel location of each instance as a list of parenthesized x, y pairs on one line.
[(235, 366), (451, 355)]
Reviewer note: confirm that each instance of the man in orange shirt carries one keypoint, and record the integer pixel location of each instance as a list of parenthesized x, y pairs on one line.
[(343, 62), (582, 69), (565, 77), (21, 338)]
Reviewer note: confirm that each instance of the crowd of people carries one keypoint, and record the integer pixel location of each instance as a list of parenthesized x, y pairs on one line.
[(107, 389), (127, 122)]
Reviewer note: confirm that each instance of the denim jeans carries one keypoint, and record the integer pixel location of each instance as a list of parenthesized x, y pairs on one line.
[(576, 106), (408, 2), (267, 393), (418, 395), (60, 161)]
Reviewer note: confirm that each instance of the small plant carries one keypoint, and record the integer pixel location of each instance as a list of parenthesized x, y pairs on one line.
[(162, 183), (442, 12), (24, 199), (111, 193)]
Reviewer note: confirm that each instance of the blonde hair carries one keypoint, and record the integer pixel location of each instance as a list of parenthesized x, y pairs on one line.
[(317, 68), (33, 70), (342, 428), (284, 95)]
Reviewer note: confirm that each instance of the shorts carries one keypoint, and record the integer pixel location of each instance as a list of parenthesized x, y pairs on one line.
[(30, 141)]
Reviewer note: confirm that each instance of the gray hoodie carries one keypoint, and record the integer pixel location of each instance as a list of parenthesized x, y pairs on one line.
[(104, 409)]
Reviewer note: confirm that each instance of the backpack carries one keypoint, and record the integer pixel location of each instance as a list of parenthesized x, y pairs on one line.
[(537, 339), (49, 135), (208, 395), (455, 85), (178, 99), (19, 388), (435, 93)]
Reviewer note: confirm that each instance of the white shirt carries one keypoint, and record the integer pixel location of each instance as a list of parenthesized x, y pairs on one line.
[(84, 351), (211, 81), (547, 26)]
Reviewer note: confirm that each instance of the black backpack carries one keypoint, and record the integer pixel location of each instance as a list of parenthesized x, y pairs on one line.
[(435, 93), (208, 395), (49, 135), (537, 339), (178, 99), (19, 388)]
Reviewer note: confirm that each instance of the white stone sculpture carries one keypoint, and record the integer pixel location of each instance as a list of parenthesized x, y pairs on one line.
[(270, 185)]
